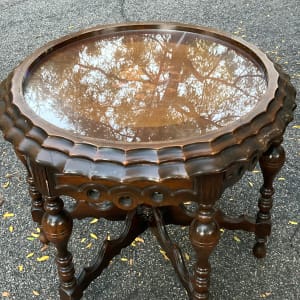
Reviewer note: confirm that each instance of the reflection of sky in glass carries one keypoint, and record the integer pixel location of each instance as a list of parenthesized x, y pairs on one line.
[(145, 86)]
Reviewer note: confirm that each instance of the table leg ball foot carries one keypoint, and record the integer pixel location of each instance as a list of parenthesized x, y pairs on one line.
[(259, 250)]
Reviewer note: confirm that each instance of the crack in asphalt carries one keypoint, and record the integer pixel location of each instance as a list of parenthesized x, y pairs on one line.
[(123, 14)]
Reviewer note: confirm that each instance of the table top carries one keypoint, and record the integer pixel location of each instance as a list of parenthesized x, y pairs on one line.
[(144, 85), (145, 101)]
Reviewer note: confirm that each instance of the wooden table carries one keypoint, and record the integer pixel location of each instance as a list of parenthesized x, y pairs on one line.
[(146, 123)]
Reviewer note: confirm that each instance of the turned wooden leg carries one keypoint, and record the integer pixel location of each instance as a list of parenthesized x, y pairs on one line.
[(205, 233), (37, 207), (270, 163), (57, 226)]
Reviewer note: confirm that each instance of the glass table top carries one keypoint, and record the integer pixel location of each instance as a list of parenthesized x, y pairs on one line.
[(144, 86)]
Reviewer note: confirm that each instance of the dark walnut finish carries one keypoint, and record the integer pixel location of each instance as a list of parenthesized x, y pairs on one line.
[(146, 123)]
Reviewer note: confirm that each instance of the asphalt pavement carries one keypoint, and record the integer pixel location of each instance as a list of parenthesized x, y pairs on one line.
[(141, 271)]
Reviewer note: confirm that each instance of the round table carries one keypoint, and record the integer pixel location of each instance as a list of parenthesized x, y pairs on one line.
[(147, 123)]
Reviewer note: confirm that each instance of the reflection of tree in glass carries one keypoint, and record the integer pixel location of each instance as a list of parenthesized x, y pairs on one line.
[(144, 87)]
